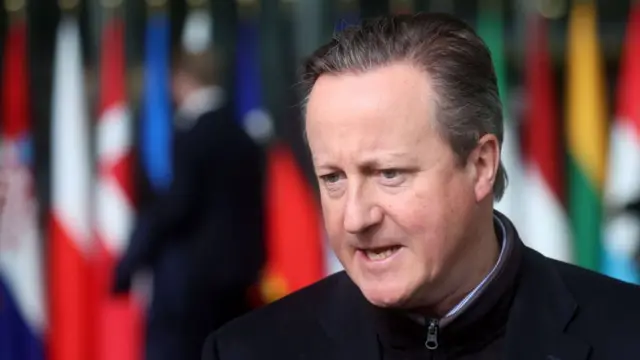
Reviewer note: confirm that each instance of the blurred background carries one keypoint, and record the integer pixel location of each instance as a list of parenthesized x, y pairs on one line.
[(87, 122)]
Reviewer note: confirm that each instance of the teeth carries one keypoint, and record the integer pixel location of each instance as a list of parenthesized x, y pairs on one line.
[(380, 255)]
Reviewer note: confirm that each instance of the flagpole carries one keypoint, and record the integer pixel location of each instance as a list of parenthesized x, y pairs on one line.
[(443, 6), (197, 3), (111, 9), (15, 7), (248, 8), (16, 11), (402, 6), (68, 5), (347, 6), (157, 5), (308, 27), (111, 4)]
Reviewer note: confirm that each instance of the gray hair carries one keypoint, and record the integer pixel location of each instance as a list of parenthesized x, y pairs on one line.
[(454, 57)]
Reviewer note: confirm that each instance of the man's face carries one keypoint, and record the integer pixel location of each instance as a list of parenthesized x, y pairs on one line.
[(181, 85), (397, 203)]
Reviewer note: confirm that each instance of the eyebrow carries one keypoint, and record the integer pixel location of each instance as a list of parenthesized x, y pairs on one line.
[(381, 157), (373, 161)]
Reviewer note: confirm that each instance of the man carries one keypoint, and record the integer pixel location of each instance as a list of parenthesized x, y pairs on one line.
[(202, 238), (404, 124)]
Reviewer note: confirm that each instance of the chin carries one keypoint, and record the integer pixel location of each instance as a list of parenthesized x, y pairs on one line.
[(386, 295)]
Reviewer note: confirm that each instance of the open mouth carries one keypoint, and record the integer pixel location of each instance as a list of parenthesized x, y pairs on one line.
[(382, 253)]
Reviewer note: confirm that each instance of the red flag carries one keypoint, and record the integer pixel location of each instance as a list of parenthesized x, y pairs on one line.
[(295, 255), (544, 141), (15, 95), (543, 153), (72, 311), (119, 327)]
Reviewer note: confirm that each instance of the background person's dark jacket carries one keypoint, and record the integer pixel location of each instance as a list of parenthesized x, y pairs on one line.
[(202, 238), (557, 312)]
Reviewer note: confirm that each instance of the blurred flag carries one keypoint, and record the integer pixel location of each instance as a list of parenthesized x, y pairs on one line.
[(22, 310), (157, 127), (622, 230), (293, 230), (295, 255), (72, 314), (586, 129), (545, 223), (119, 330), (491, 29), (255, 120)]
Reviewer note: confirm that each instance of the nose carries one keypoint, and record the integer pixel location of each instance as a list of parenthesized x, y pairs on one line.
[(361, 213)]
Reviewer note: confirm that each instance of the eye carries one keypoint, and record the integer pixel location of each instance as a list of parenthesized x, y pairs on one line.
[(331, 178), (391, 177), (390, 173), (332, 182)]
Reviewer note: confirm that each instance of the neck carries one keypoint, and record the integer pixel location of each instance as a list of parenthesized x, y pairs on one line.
[(470, 268)]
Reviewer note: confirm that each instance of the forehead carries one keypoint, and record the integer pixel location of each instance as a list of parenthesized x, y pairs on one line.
[(381, 88), (384, 106)]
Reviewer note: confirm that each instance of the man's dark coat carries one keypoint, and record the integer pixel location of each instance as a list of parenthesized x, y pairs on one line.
[(555, 311)]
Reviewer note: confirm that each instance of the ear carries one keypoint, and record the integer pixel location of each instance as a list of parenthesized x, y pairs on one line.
[(485, 160)]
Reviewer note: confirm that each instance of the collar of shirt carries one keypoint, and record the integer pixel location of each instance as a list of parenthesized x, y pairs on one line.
[(456, 310), (501, 259)]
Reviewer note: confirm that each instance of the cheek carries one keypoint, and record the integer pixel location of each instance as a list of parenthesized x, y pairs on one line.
[(427, 206), (332, 217), (431, 215), (423, 224)]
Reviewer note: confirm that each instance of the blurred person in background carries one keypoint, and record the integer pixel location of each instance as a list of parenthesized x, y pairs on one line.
[(203, 237)]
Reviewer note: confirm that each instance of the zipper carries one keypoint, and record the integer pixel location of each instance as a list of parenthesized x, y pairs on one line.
[(432, 335)]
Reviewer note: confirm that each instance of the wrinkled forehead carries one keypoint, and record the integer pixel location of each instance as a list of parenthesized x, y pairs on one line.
[(388, 85), (370, 115), (397, 95)]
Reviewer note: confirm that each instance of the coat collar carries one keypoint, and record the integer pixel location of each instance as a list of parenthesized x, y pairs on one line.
[(349, 324), (541, 311)]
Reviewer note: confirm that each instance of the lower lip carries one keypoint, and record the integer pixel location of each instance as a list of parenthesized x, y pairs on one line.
[(375, 262)]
